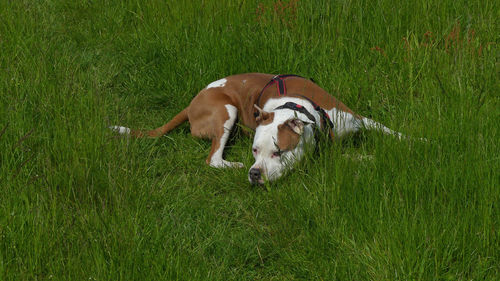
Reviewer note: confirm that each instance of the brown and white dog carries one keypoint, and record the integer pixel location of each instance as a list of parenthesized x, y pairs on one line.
[(292, 108)]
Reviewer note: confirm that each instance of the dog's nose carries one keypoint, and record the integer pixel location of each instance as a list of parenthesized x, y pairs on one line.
[(254, 174)]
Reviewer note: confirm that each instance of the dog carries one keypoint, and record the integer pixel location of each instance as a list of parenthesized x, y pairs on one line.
[(284, 110)]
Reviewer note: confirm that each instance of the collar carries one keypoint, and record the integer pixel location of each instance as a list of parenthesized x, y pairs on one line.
[(326, 122), (299, 108)]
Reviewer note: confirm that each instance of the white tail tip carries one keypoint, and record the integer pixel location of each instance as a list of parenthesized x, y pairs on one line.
[(121, 130)]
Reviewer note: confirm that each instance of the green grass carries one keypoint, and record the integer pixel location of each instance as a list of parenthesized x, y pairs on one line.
[(78, 204)]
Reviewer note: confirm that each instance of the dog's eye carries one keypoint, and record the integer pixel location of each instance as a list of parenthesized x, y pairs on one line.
[(276, 154), (254, 151)]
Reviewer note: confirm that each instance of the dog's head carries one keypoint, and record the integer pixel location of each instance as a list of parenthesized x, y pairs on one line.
[(280, 140)]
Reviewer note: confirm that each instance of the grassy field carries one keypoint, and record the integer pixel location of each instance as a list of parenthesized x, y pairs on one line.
[(77, 203)]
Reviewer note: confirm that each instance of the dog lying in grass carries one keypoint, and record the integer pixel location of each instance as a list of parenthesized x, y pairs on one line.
[(284, 111)]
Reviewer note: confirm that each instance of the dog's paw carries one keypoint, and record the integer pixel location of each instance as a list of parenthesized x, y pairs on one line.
[(226, 164), (236, 164)]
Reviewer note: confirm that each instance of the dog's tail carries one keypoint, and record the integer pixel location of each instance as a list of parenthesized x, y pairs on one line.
[(178, 119)]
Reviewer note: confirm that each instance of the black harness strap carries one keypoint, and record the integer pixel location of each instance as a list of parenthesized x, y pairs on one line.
[(326, 118), (326, 122), (299, 108)]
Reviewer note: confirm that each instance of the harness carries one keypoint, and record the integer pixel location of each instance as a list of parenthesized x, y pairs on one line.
[(299, 108), (279, 80), (326, 122)]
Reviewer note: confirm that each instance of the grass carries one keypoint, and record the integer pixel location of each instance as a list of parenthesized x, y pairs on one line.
[(78, 204)]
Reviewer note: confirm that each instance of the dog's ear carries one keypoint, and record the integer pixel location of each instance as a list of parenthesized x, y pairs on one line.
[(263, 117), (296, 125)]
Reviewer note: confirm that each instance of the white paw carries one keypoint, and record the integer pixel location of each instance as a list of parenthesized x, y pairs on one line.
[(236, 164), (225, 164)]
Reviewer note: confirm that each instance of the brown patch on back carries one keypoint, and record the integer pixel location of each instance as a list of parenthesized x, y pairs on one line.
[(287, 138), (298, 87), (244, 95)]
